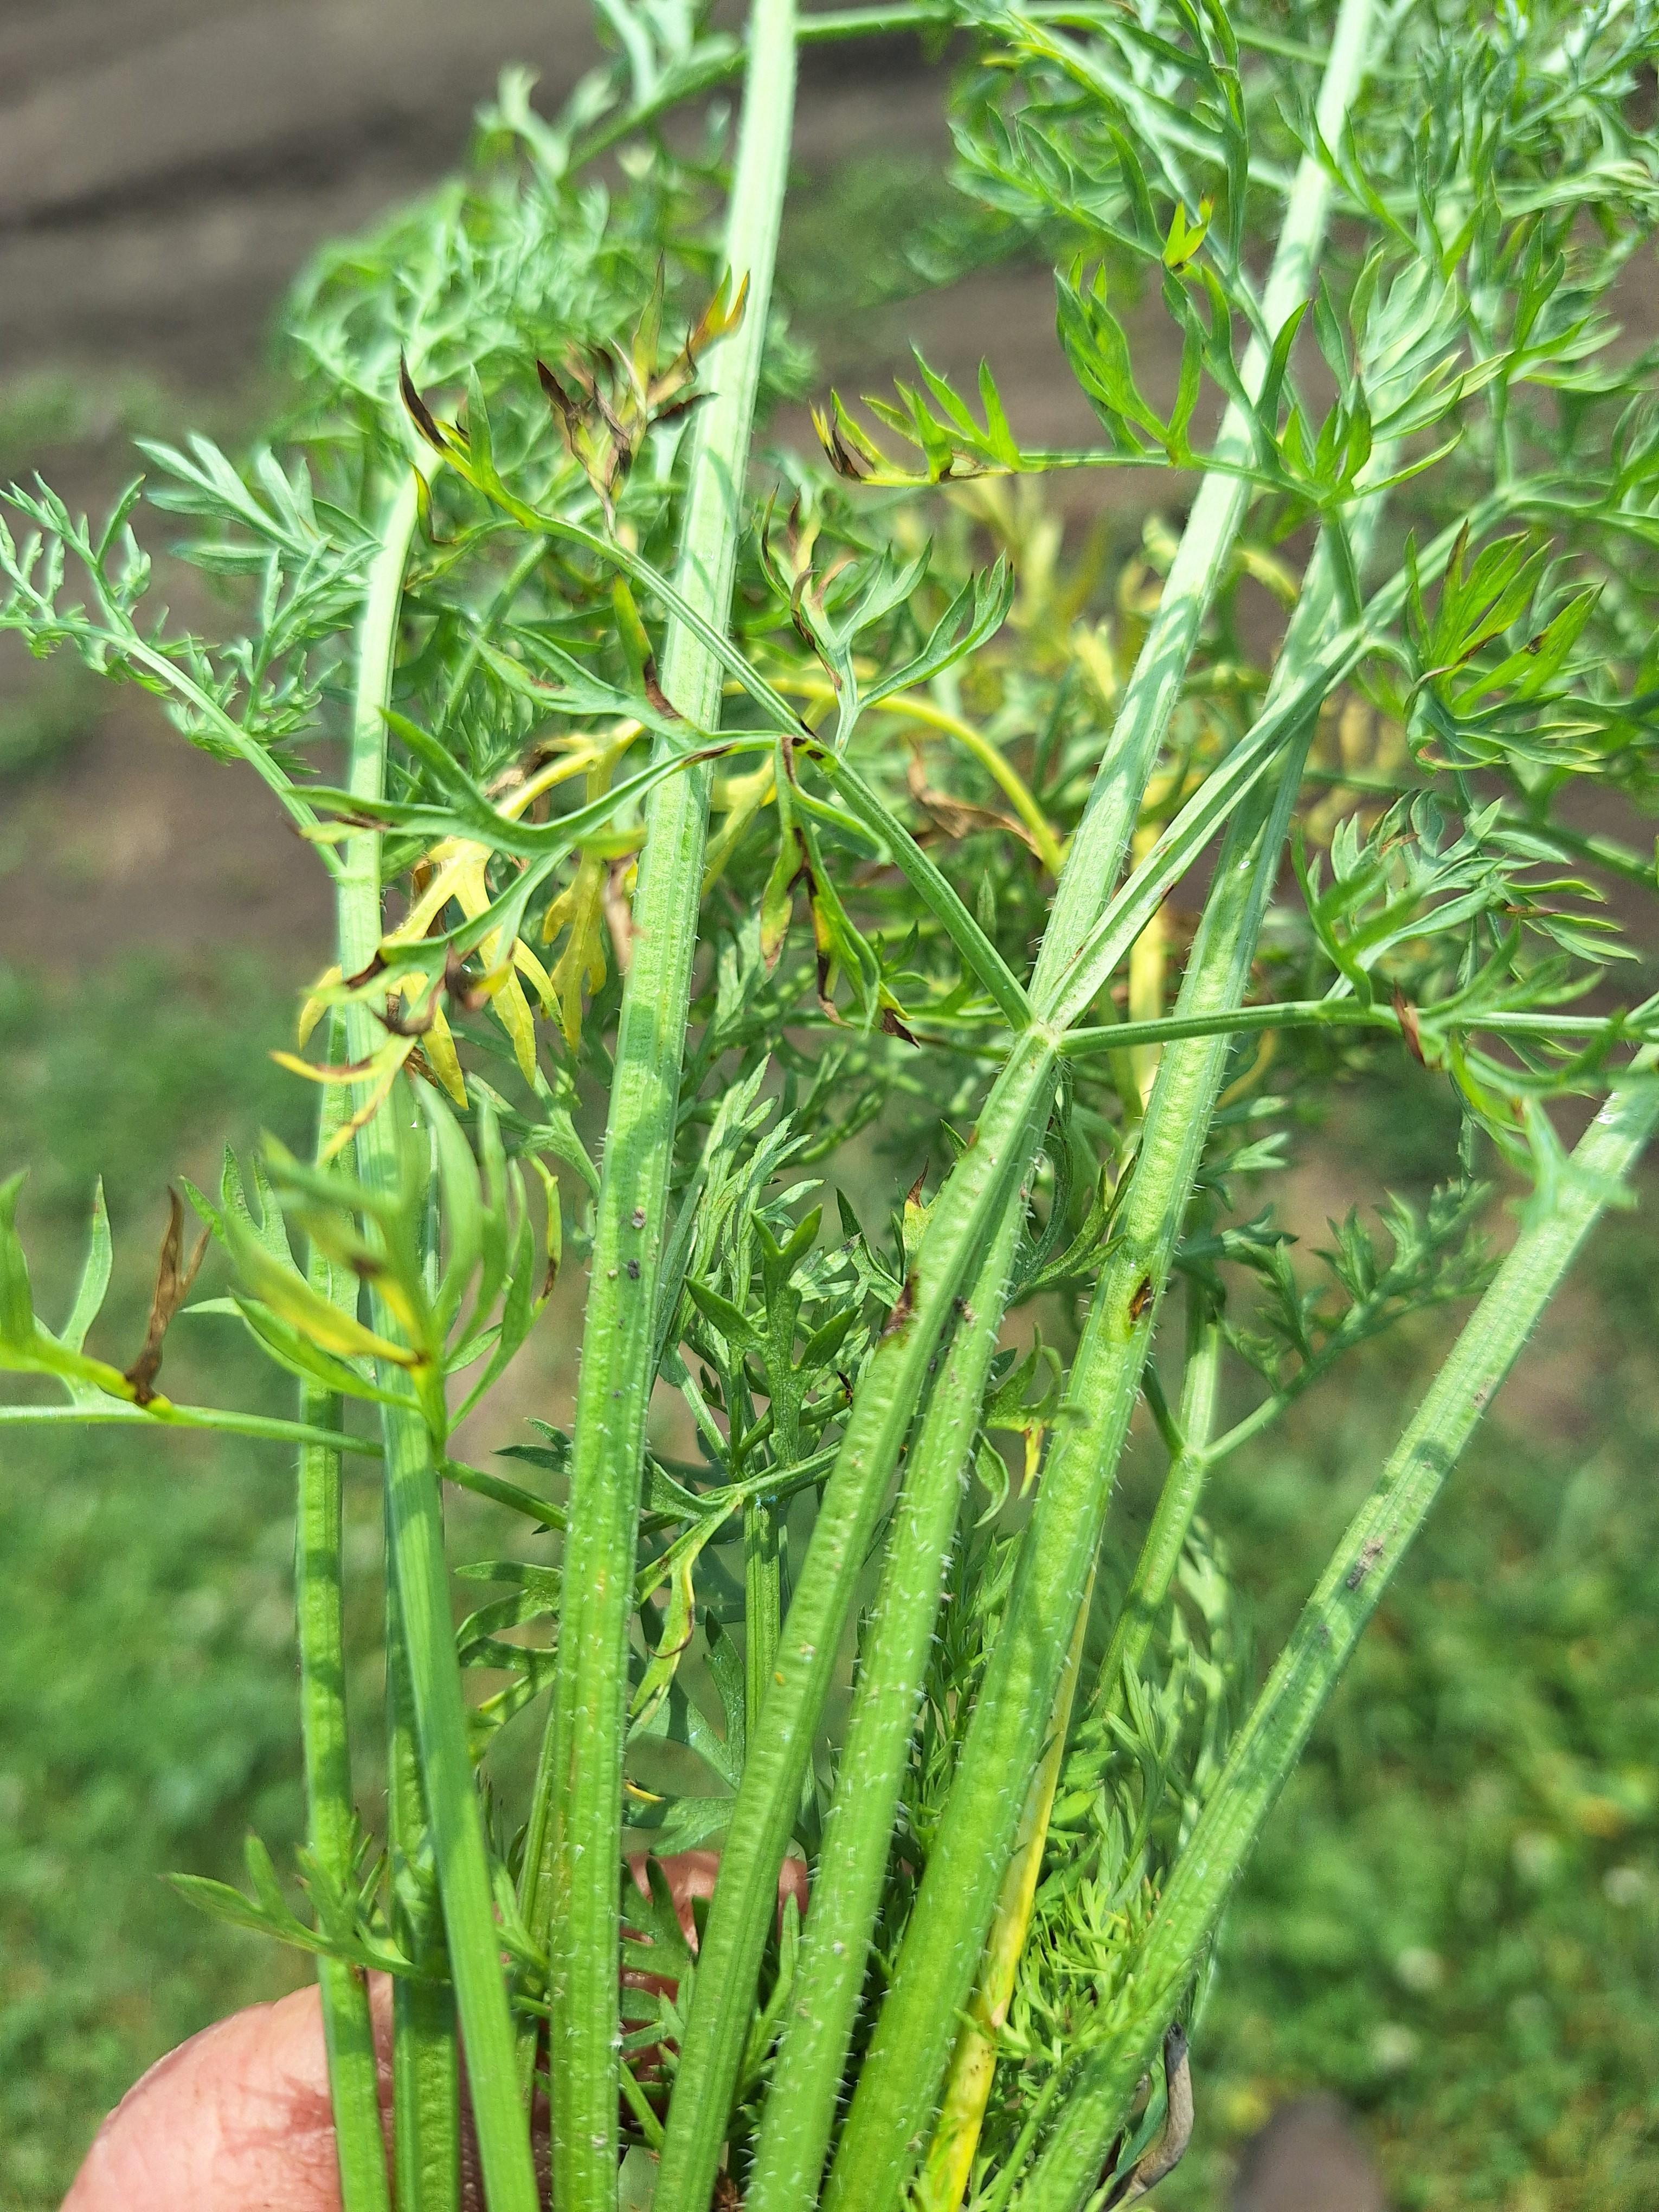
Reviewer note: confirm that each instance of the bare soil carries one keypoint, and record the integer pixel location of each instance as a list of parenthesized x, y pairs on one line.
[(166, 167)]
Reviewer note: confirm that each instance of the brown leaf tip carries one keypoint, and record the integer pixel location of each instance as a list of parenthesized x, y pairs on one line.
[(420, 413)]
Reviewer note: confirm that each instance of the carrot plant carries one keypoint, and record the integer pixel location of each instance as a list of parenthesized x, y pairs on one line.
[(810, 823)]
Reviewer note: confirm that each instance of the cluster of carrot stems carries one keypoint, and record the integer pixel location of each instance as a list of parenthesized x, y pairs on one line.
[(912, 2120)]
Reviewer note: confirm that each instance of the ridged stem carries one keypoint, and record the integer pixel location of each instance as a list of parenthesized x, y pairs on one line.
[(965, 1218), (899, 2082), (1272, 1739), (573, 1852), (742, 1908), (893, 2104), (331, 1814), (847, 1885), (417, 1564), (426, 2100)]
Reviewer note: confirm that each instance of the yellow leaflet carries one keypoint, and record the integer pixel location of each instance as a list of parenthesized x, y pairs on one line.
[(438, 1041), (512, 1010), (313, 1073), (458, 867), (1146, 965), (582, 906), (387, 1058), (320, 1321), (555, 1225), (677, 1625), (742, 797), (676, 1566), (461, 876), (582, 963), (385, 1063), (441, 1058), (1093, 648), (318, 1004)]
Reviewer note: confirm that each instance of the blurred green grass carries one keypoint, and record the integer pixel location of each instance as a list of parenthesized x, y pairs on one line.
[(148, 1709), (1453, 1920)]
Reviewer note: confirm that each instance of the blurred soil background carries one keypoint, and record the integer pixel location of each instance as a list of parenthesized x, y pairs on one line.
[(1443, 1967)]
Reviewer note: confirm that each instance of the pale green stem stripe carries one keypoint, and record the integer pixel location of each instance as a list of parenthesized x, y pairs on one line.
[(846, 1886), (331, 1819), (574, 1851), (414, 1507), (1273, 1738), (1149, 700)]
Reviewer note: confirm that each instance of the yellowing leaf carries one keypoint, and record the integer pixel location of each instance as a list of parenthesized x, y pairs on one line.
[(316, 1318), (318, 1003), (441, 1058), (581, 965), (512, 1009)]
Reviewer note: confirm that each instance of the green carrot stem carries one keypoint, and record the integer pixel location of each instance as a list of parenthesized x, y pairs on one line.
[(347, 2030), (331, 1814), (1177, 1501), (800, 2110), (966, 1215), (899, 2082), (426, 2115), (893, 2100), (1272, 1739), (759, 1829), (574, 1850), (416, 1565)]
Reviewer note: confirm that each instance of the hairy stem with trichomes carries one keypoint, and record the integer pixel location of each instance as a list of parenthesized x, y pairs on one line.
[(331, 1812), (852, 1864), (1271, 1741), (574, 1851), (780, 1748), (760, 1821), (892, 2107)]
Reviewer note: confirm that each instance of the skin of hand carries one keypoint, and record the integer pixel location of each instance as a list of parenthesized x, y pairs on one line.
[(238, 2119)]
